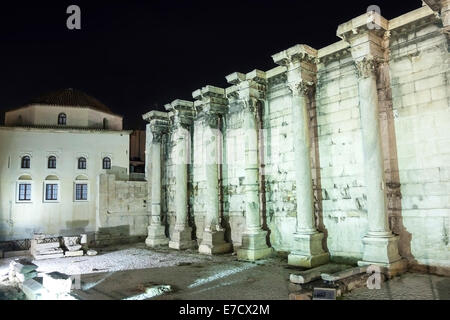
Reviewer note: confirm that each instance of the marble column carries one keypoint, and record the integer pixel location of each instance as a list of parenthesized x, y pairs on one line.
[(380, 245), (211, 104), (249, 93), (307, 250), (158, 127), (368, 48), (182, 113)]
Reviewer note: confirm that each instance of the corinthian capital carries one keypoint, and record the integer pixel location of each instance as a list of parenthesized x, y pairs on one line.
[(301, 88), (368, 66), (157, 132)]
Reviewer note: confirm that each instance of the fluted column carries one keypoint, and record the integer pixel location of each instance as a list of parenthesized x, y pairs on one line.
[(307, 250), (158, 127), (249, 92), (182, 113), (211, 105), (369, 49)]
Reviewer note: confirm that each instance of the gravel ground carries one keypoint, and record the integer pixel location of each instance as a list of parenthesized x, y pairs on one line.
[(117, 271), (115, 258)]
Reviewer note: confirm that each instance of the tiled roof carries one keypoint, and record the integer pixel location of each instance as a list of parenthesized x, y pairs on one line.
[(70, 97)]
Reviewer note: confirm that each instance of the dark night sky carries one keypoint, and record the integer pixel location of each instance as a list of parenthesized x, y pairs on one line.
[(135, 56)]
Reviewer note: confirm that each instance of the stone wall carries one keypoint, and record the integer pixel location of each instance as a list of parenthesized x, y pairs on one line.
[(122, 213), (420, 74), (340, 180)]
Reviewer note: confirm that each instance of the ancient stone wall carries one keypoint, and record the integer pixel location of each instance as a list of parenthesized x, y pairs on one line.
[(368, 115), (420, 73), (122, 210)]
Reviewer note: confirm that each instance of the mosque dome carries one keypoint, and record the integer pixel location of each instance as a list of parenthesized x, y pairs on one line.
[(70, 98)]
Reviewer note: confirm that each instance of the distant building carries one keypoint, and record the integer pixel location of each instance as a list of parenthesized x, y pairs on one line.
[(137, 151)]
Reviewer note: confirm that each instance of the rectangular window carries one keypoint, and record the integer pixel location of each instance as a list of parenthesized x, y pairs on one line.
[(25, 192), (51, 192), (81, 191)]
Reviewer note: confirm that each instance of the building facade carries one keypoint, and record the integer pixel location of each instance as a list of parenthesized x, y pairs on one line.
[(55, 152), (339, 153)]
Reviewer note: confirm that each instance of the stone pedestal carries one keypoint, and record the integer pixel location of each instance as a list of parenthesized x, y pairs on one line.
[(254, 246), (182, 239), (213, 243), (308, 251), (156, 236), (381, 250)]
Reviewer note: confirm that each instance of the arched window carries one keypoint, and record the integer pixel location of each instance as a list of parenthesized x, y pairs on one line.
[(52, 162), (62, 118), (25, 163), (81, 163), (106, 163)]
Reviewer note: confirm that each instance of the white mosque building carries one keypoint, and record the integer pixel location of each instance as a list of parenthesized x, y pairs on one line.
[(52, 152)]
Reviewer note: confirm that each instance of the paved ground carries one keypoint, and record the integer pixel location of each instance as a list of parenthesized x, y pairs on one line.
[(136, 272), (409, 286)]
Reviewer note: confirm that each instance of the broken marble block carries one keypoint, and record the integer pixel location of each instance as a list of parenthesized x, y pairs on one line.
[(74, 253), (43, 247), (23, 266), (71, 241), (57, 282), (83, 238), (315, 273), (22, 277), (343, 274), (33, 289), (91, 252)]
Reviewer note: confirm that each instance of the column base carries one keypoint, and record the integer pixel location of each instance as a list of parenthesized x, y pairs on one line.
[(182, 239), (308, 251), (156, 236), (383, 252), (213, 242), (254, 247), (380, 250), (389, 269)]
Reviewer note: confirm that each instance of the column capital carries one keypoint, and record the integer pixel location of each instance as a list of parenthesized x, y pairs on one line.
[(158, 123), (294, 56), (301, 88), (370, 22), (300, 62), (441, 9), (436, 5), (182, 112), (155, 115), (248, 87), (368, 66), (366, 34), (210, 100)]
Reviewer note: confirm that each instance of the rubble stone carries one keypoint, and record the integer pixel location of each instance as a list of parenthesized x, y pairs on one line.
[(315, 273), (74, 253), (57, 282)]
